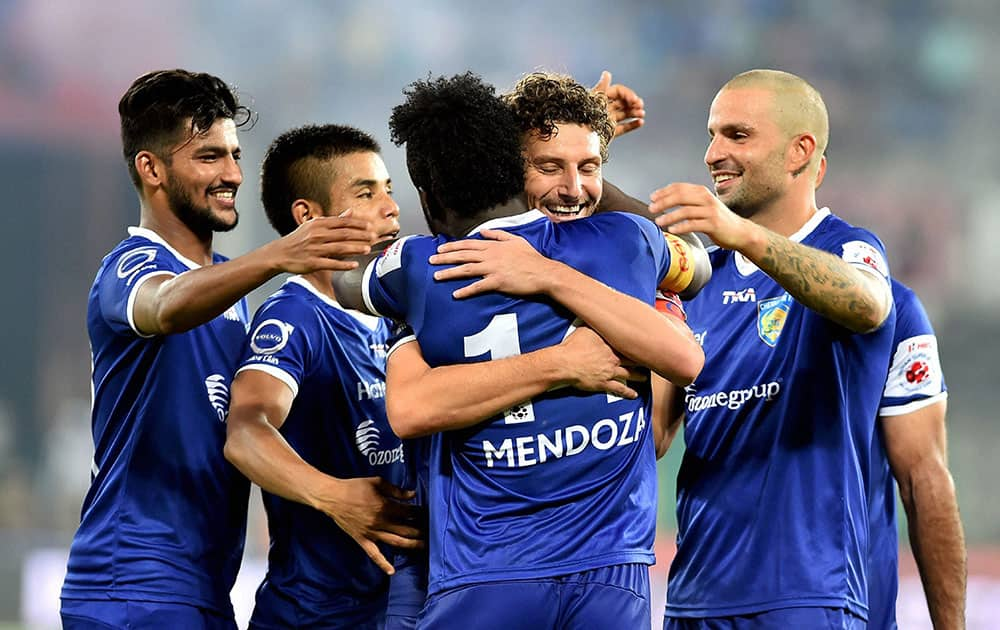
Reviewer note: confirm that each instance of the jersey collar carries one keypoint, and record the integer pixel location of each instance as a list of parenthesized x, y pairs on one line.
[(369, 321), (745, 267), (508, 222), (150, 235)]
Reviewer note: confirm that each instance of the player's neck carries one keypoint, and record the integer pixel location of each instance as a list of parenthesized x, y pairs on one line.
[(190, 244), (322, 281), (459, 226), (787, 215)]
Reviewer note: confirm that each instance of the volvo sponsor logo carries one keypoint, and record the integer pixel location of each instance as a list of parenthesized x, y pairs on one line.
[(270, 336)]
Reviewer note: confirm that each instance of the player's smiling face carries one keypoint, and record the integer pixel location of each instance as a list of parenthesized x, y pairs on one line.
[(361, 182), (563, 174), (202, 177), (746, 153)]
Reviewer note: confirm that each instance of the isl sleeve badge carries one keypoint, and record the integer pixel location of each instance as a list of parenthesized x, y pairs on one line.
[(771, 315)]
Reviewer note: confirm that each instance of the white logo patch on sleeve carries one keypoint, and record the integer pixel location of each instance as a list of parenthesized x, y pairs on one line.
[(915, 369), (862, 254), (132, 262), (270, 336), (391, 259)]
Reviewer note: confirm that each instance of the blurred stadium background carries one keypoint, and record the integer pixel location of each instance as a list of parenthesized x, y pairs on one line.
[(912, 92)]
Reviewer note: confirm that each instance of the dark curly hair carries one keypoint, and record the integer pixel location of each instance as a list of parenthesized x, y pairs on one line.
[(155, 109), (543, 100), (462, 144), (295, 168)]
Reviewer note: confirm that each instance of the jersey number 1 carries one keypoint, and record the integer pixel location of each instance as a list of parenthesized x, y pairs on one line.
[(500, 339)]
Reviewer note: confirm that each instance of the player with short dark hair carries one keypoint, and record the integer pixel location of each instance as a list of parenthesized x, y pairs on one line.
[(506, 489), (307, 421), (162, 526)]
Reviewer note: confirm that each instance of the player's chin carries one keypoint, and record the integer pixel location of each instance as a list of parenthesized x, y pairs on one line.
[(225, 220)]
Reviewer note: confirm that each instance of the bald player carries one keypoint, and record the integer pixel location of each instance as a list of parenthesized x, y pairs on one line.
[(797, 326)]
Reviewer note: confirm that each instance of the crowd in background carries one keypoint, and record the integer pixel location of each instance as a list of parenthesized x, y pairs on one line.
[(909, 87)]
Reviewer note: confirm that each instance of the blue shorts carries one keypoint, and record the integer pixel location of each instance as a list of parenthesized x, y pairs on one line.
[(779, 619), (105, 614), (407, 590), (276, 610), (612, 598)]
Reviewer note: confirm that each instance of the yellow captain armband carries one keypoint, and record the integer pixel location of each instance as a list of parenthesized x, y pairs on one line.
[(681, 270)]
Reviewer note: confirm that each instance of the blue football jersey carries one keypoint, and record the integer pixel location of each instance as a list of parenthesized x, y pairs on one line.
[(915, 381), (565, 482), (165, 516), (408, 585), (771, 493), (334, 362)]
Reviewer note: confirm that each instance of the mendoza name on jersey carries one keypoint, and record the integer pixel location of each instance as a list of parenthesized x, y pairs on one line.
[(529, 450)]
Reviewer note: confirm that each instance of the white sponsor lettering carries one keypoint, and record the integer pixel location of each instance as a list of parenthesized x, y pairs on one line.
[(529, 450), (263, 358), (733, 399), (367, 438), (270, 336), (372, 390), (745, 295), (381, 458), (700, 337)]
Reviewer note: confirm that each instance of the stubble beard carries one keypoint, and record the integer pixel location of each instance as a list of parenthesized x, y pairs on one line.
[(199, 219)]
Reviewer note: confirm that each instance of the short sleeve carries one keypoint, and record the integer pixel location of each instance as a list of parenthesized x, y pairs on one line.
[(386, 279), (281, 341), (122, 274), (915, 377), (864, 250)]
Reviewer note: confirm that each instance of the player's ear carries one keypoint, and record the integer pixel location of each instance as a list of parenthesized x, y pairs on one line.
[(303, 210), (800, 152), (821, 172), (150, 168)]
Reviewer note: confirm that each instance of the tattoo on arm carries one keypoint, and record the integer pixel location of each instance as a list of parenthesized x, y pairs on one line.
[(823, 282)]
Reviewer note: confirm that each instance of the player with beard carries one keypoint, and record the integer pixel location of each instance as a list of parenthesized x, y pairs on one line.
[(163, 524), (797, 325)]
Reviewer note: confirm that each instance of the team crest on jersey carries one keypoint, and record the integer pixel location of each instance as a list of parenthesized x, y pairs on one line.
[(771, 315), (218, 395)]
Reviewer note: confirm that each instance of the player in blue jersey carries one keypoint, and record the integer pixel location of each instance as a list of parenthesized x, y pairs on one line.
[(563, 180), (909, 445), (796, 324), (162, 526), (307, 421), (519, 502)]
